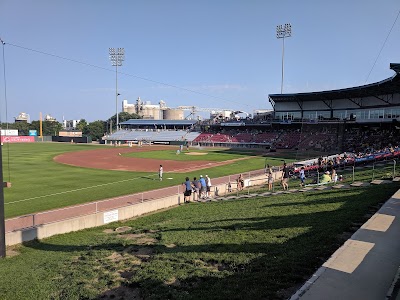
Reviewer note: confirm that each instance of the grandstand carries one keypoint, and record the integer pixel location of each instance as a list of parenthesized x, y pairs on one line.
[(350, 119), (326, 121), (154, 131), (373, 103)]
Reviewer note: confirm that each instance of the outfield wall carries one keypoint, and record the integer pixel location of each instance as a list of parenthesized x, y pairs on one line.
[(118, 214)]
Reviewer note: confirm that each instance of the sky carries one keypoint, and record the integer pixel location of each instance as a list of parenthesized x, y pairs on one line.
[(209, 53)]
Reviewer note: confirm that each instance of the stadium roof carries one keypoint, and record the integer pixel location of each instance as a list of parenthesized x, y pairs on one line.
[(388, 86), (147, 122)]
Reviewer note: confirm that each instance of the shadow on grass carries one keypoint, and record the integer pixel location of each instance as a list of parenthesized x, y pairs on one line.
[(285, 262), (150, 177)]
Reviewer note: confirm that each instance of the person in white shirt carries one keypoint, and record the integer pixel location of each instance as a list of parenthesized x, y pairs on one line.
[(160, 172), (208, 189)]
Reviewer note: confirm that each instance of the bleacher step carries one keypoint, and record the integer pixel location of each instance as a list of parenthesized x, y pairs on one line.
[(266, 194), (380, 181), (360, 184), (323, 187), (341, 186)]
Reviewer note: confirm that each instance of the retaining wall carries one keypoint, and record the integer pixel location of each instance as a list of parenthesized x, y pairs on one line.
[(101, 218)]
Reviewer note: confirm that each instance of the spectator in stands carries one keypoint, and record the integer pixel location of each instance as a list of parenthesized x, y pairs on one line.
[(285, 177), (188, 190), (208, 187), (270, 177), (240, 182), (334, 176), (326, 178), (203, 189), (160, 172)]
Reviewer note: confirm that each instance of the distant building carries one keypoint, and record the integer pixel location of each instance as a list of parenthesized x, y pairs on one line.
[(70, 124), (49, 118), (263, 115), (152, 111), (22, 117)]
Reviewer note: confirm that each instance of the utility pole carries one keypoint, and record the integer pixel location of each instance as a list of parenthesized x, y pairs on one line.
[(2, 220)]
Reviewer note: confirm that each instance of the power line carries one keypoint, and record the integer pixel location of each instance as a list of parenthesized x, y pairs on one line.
[(384, 43), (127, 74)]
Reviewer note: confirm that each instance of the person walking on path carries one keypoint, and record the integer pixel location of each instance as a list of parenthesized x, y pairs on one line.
[(285, 177), (188, 190), (160, 172), (240, 182), (270, 177), (302, 177), (208, 187)]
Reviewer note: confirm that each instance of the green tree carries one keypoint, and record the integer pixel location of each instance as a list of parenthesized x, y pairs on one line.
[(51, 127), (82, 126), (48, 127), (22, 127), (122, 117), (96, 129)]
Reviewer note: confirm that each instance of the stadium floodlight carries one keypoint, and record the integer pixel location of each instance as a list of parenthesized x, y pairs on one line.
[(282, 32), (117, 56)]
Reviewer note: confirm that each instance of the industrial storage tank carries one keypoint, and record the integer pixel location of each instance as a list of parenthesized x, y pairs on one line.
[(173, 114), (150, 112)]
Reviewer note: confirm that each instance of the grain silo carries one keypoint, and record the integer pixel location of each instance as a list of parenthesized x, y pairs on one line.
[(173, 114)]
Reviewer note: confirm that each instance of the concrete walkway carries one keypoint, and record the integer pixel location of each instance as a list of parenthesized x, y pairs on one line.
[(366, 266)]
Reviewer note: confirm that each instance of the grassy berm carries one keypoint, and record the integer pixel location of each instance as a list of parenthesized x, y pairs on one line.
[(260, 248)]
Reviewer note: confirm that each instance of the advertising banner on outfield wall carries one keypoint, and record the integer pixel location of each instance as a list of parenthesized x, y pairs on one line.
[(9, 132), (160, 143), (17, 139)]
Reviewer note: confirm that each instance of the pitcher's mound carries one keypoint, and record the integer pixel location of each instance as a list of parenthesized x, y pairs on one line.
[(196, 153)]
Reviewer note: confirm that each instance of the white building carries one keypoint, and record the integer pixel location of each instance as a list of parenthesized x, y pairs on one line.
[(70, 124)]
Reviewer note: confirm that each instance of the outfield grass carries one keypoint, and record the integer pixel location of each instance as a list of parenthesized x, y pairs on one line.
[(39, 183), (244, 249)]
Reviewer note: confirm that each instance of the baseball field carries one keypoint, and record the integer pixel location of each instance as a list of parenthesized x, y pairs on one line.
[(47, 176), (256, 248)]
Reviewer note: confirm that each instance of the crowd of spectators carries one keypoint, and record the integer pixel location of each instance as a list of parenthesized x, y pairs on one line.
[(370, 140), (325, 139)]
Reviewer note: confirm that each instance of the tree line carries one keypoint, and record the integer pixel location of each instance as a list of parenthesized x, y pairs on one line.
[(95, 129)]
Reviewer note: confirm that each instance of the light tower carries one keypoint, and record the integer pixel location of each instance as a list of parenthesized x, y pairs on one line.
[(117, 56), (282, 32)]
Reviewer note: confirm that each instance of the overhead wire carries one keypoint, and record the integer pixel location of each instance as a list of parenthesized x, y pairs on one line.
[(109, 70), (129, 75), (383, 46)]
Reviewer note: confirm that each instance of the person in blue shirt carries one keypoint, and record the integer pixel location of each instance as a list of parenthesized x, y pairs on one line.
[(302, 176), (188, 190), (203, 187)]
